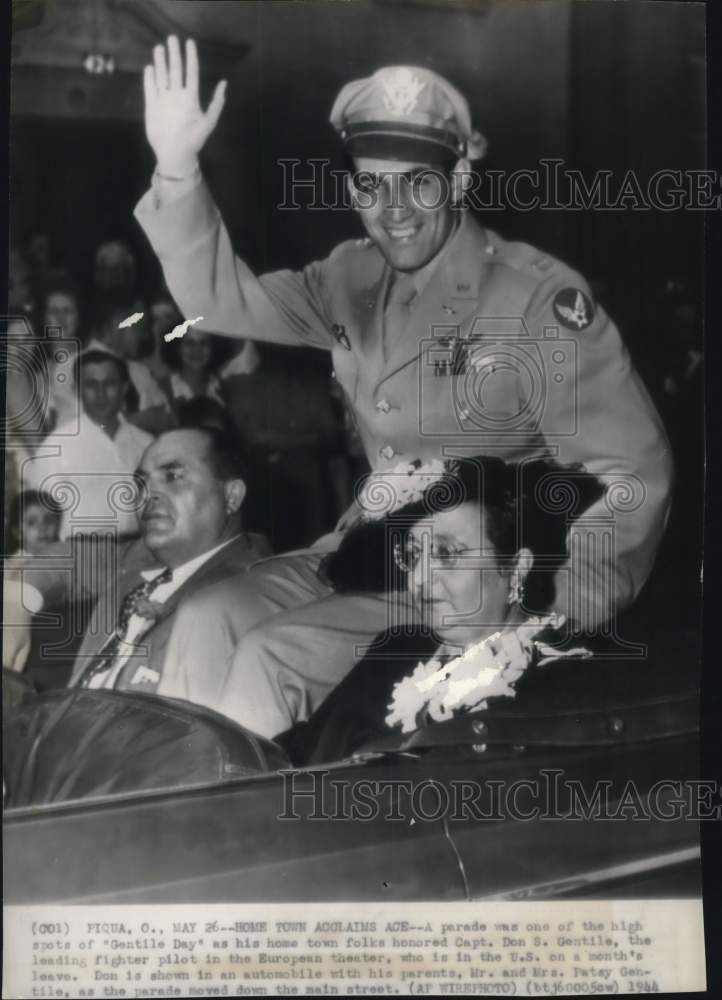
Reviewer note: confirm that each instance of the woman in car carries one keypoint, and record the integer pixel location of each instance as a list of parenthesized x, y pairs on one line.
[(477, 546)]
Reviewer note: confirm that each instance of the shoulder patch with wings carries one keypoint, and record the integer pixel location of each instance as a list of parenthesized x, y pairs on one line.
[(573, 309)]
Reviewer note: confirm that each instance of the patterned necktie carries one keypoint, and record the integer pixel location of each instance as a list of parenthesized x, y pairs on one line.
[(397, 311), (128, 607)]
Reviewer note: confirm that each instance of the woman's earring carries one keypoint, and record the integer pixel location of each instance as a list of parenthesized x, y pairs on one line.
[(516, 592)]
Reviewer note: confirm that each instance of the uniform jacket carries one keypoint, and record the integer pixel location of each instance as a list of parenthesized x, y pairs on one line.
[(192, 662), (504, 353)]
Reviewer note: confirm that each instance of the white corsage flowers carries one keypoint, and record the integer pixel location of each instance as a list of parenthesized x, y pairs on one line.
[(487, 669)]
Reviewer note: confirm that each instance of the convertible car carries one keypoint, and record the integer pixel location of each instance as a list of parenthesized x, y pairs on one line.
[(584, 792)]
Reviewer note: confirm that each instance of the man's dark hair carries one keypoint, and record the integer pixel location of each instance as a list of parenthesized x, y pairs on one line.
[(225, 458), (96, 357), (202, 411)]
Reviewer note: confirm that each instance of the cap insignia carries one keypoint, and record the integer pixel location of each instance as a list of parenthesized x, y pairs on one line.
[(402, 89)]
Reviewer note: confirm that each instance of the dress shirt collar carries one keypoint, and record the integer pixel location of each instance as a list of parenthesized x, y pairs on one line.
[(187, 569), (121, 429)]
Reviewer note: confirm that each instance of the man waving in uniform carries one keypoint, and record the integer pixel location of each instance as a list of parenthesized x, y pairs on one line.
[(445, 338)]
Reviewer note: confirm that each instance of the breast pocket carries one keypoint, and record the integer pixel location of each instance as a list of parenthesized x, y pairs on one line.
[(489, 388), (475, 393)]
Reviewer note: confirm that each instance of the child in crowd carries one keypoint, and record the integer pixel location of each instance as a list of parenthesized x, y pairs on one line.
[(34, 523)]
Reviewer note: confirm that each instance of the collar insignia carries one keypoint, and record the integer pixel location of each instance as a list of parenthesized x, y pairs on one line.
[(339, 333)]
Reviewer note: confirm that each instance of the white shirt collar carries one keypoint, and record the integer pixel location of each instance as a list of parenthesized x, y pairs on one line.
[(122, 426), (187, 569)]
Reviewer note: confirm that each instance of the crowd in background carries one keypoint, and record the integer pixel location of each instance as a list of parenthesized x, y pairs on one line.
[(280, 404)]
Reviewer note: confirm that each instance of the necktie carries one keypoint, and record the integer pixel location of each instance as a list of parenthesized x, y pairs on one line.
[(397, 311), (128, 607)]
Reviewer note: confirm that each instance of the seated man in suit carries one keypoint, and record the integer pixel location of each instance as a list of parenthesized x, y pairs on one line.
[(139, 639)]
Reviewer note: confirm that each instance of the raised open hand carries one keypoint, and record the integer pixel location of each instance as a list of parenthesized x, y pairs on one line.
[(175, 125)]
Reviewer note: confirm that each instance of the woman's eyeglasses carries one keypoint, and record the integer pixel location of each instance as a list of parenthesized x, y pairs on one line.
[(407, 555)]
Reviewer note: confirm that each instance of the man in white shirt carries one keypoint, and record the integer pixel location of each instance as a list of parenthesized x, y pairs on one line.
[(88, 466), (121, 328)]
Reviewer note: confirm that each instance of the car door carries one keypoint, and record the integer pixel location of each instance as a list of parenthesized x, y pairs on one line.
[(238, 841)]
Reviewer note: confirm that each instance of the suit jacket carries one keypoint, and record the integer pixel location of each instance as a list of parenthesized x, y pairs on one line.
[(190, 655), (504, 353), (353, 713)]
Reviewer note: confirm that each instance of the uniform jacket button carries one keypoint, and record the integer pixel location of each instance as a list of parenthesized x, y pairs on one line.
[(383, 406), (387, 452)]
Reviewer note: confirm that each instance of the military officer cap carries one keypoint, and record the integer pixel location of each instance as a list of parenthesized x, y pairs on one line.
[(406, 113)]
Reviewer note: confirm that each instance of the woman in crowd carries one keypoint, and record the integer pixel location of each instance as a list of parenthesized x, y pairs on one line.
[(43, 350), (163, 317), (242, 355), (194, 360), (477, 546), (61, 315)]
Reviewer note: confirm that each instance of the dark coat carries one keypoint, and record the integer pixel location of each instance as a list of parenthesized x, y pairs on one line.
[(353, 715), (191, 643)]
